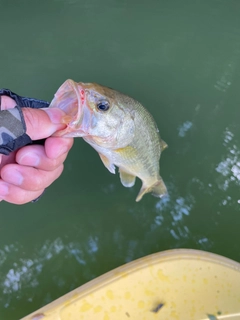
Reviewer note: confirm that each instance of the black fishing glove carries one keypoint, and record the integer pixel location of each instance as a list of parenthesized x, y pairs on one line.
[(12, 124)]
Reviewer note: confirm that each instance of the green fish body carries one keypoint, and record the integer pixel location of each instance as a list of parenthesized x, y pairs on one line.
[(119, 128)]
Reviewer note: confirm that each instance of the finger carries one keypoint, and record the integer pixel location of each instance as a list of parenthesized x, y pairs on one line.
[(35, 155), (43, 123), (7, 159), (7, 103), (16, 195), (56, 146), (29, 178)]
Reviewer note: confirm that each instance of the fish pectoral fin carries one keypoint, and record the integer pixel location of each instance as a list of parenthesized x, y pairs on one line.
[(110, 166), (128, 180), (158, 189)]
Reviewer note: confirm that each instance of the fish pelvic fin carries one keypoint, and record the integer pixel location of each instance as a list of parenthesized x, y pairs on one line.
[(158, 189), (110, 166), (127, 179), (163, 144)]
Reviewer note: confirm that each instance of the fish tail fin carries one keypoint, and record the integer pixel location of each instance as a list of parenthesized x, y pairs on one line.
[(158, 189)]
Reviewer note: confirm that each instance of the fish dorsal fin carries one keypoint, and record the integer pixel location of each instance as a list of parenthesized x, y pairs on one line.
[(128, 180), (163, 144), (158, 189), (110, 166)]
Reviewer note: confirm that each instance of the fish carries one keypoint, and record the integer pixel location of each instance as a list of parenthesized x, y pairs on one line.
[(118, 127)]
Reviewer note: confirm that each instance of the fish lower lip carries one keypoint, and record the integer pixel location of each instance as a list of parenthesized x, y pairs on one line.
[(77, 132)]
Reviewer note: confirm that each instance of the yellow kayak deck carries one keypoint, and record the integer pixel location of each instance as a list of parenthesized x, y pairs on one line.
[(177, 284)]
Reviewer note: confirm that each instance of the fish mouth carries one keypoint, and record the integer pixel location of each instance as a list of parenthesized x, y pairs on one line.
[(70, 98)]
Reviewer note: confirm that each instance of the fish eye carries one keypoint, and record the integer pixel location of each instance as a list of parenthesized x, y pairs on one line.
[(103, 106)]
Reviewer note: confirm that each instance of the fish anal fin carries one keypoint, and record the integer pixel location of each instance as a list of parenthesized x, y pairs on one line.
[(107, 163), (128, 180), (163, 144), (158, 189)]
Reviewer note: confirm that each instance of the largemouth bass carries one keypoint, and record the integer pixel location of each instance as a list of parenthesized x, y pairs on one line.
[(118, 127)]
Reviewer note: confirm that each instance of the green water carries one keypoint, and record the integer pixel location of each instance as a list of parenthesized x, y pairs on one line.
[(181, 59)]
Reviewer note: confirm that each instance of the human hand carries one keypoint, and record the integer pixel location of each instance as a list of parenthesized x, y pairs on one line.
[(26, 172)]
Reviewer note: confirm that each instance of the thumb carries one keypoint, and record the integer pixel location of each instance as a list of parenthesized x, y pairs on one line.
[(42, 123)]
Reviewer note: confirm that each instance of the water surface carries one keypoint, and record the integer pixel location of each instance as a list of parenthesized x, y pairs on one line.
[(181, 60)]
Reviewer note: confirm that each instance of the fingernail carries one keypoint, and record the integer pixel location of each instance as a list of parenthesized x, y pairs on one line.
[(3, 190), (54, 114), (29, 159), (14, 177)]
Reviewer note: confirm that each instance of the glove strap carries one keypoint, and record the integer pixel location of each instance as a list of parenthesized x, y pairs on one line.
[(24, 101)]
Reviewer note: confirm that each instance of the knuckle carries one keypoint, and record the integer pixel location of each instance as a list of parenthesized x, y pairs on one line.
[(61, 168), (30, 120), (38, 183), (54, 163), (56, 174), (51, 165)]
